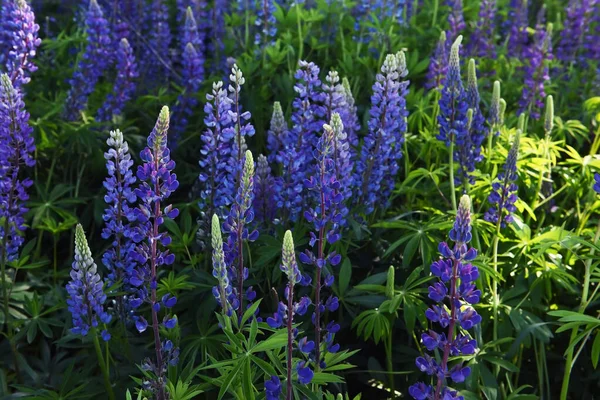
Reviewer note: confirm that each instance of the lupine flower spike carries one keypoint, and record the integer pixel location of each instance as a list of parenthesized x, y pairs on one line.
[(277, 133), (495, 117), (350, 117), (157, 182), (243, 127), (456, 20), (482, 40), (20, 42), (504, 190), (223, 292), (536, 72), (285, 316), (119, 218), (454, 293), (547, 188), (157, 61), (86, 292), (264, 204), (438, 67), (266, 23)]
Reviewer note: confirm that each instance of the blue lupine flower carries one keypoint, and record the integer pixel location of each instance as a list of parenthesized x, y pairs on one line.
[(119, 217), (438, 66), (342, 164), (218, 187), (266, 23), (124, 87), (504, 190), (223, 292), (334, 98), (517, 24), (157, 182), (305, 374), (377, 167), (236, 226), (456, 20), (325, 216), (94, 62), (273, 388), (289, 186), (277, 133), (86, 294), (243, 128), (216, 35), (19, 42), (536, 72), (597, 182), (157, 60), (455, 292), (16, 151), (264, 192), (349, 116), (578, 20), (482, 40)]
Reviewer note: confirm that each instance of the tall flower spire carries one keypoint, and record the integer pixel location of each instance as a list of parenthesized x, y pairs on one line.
[(438, 66), (157, 60), (482, 40), (266, 23), (454, 293), (456, 19), (277, 133), (536, 71), (223, 292)]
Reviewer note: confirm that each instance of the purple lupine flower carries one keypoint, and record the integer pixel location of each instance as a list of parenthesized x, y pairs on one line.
[(124, 87), (350, 117), (277, 133), (597, 183), (438, 66), (342, 162), (468, 150), (243, 128), (157, 60), (286, 312), (482, 43), (157, 182), (273, 388), (536, 72), (191, 77), (289, 186), (579, 14), (325, 216), (197, 35), (216, 35), (20, 40), (119, 217), (455, 292), (516, 26), (218, 186), (456, 20), (236, 226), (266, 23), (377, 166), (504, 190), (94, 62), (16, 151), (223, 292), (264, 192), (86, 292), (334, 96)]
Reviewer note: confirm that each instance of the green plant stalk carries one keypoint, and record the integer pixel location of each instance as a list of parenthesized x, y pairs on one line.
[(300, 37), (570, 361), (390, 364), (494, 280), (452, 190), (436, 6), (103, 366)]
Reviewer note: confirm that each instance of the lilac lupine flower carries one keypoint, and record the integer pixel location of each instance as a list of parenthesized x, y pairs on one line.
[(94, 61), (377, 166), (277, 133), (456, 20), (16, 151), (218, 186), (597, 183), (342, 162), (86, 293), (119, 217), (266, 23), (536, 72), (516, 26), (438, 66), (334, 95), (223, 292), (455, 292), (196, 35), (469, 149), (285, 316), (243, 128), (289, 186), (325, 216), (236, 226), (482, 44), (579, 14), (157, 60), (157, 182), (216, 35), (504, 190), (20, 40), (264, 192), (273, 388), (124, 87), (350, 117)]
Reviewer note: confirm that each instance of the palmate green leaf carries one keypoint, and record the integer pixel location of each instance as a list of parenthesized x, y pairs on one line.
[(227, 382), (322, 378), (276, 340)]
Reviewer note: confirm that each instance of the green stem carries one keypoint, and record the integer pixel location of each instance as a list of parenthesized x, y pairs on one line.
[(570, 361), (103, 366), (436, 6), (300, 37), (452, 190), (494, 280), (390, 365)]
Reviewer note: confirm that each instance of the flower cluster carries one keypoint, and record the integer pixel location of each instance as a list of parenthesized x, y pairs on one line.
[(236, 226), (119, 217), (482, 44), (504, 190), (124, 87), (243, 128), (438, 67), (157, 60), (342, 162), (264, 192), (223, 292), (456, 19), (277, 133), (285, 316), (349, 116), (20, 41), (216, 35), (377, 167), (517, 21), (266, 23), (579, 14), (454, 293), (597, 183), (94, 61), (16, 151), (85, 289)]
